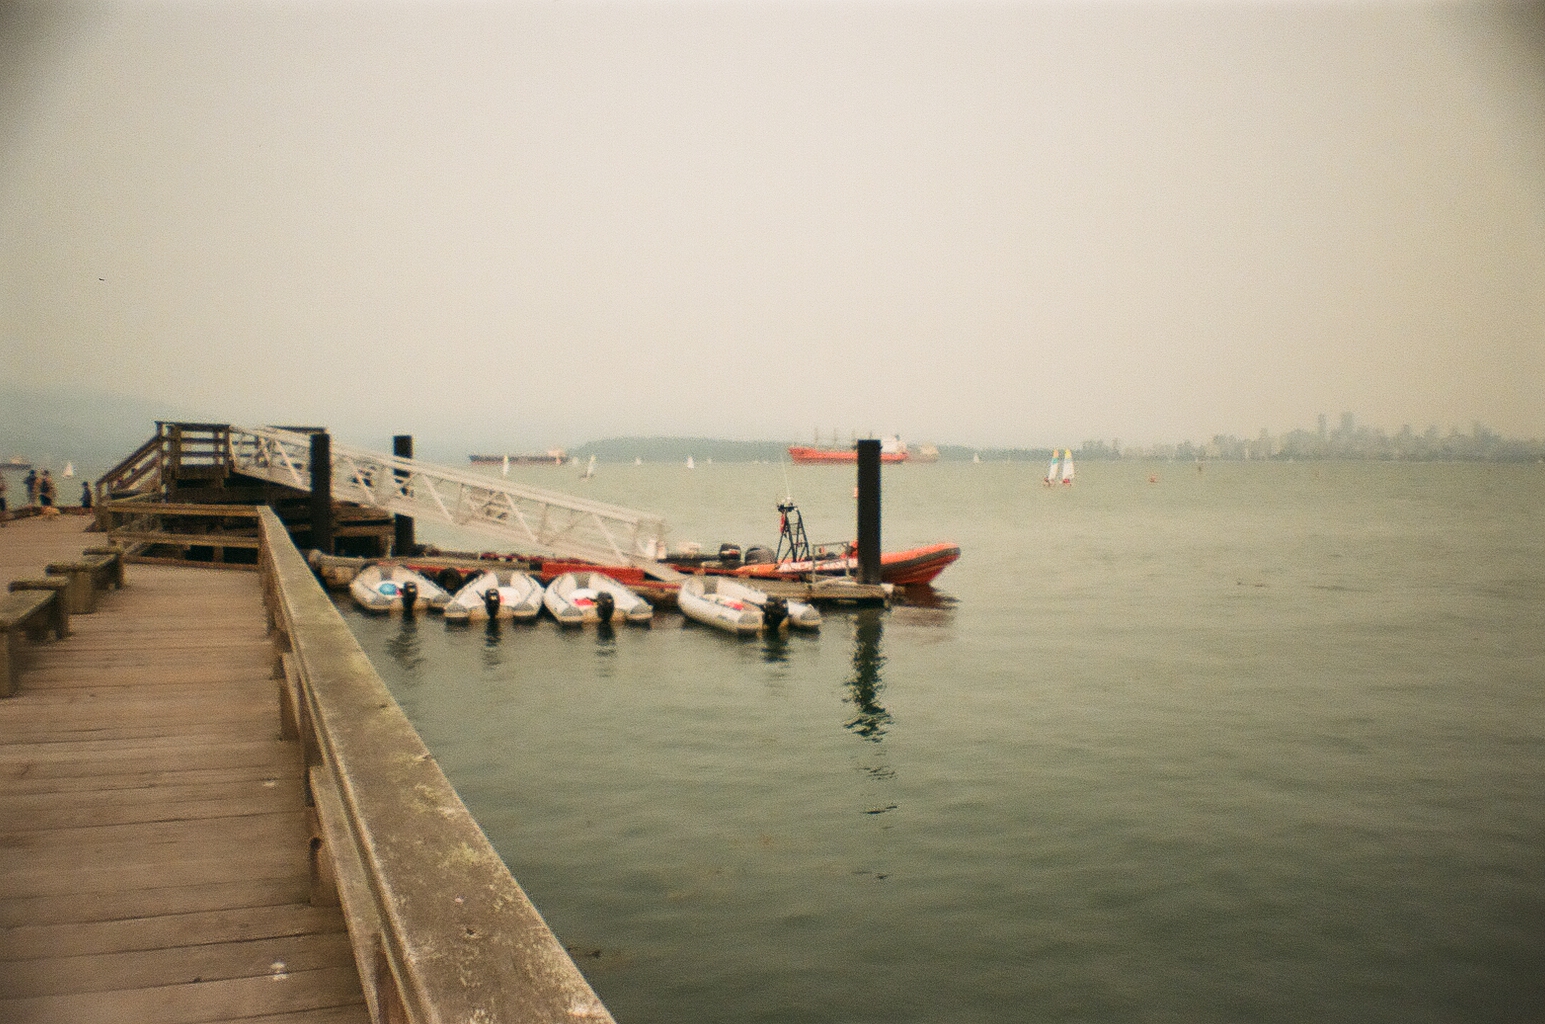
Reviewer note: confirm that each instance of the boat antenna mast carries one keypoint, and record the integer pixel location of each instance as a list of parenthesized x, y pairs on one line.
[(791, 534)]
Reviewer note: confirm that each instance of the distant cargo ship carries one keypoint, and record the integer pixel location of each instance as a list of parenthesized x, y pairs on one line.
[(892, 449), (556, 457)]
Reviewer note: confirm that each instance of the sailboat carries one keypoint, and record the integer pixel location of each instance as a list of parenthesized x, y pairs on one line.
[(975, 458), (1053, 471), (1067, 468), (690, 463), (638, 460), (506, 470), (69, 469), (589, 470)]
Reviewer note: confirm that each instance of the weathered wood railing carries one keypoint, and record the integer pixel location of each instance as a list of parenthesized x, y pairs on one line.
[(440, 928), (139, 471)]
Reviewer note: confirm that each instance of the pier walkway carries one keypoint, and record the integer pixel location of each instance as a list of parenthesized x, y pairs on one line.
[(153, 828)]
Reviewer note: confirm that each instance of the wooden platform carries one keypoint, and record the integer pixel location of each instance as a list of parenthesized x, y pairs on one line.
[(153, 834)]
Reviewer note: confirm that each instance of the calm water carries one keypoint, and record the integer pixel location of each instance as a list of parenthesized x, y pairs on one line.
[(1260, 743)]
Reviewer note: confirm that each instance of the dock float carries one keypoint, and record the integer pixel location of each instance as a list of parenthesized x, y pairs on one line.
[(213, 810)]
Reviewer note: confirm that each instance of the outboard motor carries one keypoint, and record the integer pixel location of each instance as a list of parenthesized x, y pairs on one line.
[(409, 591), (756, 554), (605, 604), (729, 554), (491, 602), (774, 611)]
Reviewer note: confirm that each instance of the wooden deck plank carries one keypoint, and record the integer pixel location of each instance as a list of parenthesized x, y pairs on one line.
[(166, 931), (144, 872), (200, 749), (23, 781), (154, 842), (81, 906), (182, 965), (213, 835), (353, 1014), (194, 1003), (32, 811)]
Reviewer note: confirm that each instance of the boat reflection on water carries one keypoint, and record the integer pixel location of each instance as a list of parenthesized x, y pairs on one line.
[(492, 634), (404, 647), (775, 647), (606, 647), (922, 595), (865, 684)]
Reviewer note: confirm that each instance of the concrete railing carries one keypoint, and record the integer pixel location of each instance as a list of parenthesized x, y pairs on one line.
[(441, 930)]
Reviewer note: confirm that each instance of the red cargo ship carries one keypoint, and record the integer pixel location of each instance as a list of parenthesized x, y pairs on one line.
[(892, 449)]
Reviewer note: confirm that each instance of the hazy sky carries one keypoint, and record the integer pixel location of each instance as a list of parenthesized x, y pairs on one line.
[(987, 223)]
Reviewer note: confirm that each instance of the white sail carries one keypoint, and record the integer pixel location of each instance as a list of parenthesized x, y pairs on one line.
[(506, 470), (589, 469), (1067, 467), (1052, 471), (690, 463), (69, 469)]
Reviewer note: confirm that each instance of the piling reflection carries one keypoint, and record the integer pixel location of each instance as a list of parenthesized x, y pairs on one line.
[(865, 684)]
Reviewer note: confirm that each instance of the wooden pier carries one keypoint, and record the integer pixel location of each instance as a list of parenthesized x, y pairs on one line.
[(212, 810), (153, 829)]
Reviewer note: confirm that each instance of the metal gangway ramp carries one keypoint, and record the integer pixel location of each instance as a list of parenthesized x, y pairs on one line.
[(536, 520)]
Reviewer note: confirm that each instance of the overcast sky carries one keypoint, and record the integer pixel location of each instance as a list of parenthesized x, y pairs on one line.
[(984, 223)]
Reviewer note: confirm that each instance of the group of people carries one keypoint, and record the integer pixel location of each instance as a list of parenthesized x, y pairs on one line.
[(41, 490)]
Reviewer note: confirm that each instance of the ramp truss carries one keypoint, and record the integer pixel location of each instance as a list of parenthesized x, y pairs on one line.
[(535, 520)]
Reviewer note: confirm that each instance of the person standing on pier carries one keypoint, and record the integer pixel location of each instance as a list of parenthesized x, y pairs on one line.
[(32, 486), (85, 494), (4, 514), (46, 490)]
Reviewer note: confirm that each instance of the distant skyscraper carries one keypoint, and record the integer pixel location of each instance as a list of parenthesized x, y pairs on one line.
[(1322, 425), (1348, 424)]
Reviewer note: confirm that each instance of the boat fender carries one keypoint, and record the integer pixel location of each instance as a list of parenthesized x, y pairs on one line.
[(409, 592), (449, 579), (774, 611), (491, 601), (605, 604)]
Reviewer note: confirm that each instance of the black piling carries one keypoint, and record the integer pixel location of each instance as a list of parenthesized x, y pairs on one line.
[(322, 492), (869, 511), (403, 542)]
